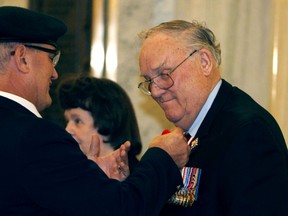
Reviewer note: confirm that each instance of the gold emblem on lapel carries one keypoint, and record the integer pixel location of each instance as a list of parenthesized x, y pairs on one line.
[(193, 143)]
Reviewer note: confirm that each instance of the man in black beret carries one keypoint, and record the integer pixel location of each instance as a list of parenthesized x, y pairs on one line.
[(43, 171)]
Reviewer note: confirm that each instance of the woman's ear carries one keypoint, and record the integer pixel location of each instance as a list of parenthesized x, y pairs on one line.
[(21, 59), (206, 61)]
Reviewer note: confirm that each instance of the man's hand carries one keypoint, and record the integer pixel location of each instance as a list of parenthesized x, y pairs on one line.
[(115, 164), (175, 144)]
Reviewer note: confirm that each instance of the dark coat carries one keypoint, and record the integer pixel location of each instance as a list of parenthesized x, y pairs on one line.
[(43, 172), (243, 158)]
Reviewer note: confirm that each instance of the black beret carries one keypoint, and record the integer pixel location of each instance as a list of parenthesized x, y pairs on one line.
[(26, 26)]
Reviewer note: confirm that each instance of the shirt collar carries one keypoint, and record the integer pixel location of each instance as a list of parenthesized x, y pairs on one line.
[(200, 117), (25, 103)]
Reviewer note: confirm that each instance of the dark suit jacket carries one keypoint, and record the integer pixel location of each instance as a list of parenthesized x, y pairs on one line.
[(244, 161), (43, 172)]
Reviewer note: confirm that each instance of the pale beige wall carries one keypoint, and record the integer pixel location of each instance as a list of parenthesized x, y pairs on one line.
[(20, 3), (279, 73)]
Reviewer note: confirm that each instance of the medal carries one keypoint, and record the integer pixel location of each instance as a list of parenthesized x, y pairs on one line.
[(186, 195)]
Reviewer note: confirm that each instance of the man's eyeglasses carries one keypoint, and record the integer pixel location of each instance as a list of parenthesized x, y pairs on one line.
[(56, 53), (162, 81)]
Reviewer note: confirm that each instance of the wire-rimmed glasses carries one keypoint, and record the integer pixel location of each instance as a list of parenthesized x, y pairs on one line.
[(162, 81)]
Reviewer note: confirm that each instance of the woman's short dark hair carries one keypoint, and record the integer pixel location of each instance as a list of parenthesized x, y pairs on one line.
[(109, 105)]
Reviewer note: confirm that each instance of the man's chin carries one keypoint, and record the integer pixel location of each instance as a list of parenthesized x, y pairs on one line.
[(171, 117)]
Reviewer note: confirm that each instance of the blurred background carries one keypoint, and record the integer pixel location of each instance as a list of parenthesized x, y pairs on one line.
[(102, 41)]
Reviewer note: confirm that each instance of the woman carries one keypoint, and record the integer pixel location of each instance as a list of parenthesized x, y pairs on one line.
[(101, 107)]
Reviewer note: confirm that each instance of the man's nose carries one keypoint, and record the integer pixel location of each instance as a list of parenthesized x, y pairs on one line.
[(155, 90)]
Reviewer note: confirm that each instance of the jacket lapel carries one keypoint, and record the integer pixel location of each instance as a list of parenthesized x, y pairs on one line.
[(8, 104)]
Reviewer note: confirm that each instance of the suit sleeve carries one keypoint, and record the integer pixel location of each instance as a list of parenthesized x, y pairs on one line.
[(59, 178)]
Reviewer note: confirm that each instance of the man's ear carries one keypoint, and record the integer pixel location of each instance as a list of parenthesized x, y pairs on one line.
[(206, 61), (21, 59)]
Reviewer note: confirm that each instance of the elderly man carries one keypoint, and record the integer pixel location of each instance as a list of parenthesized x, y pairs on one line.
[(239, 161)]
